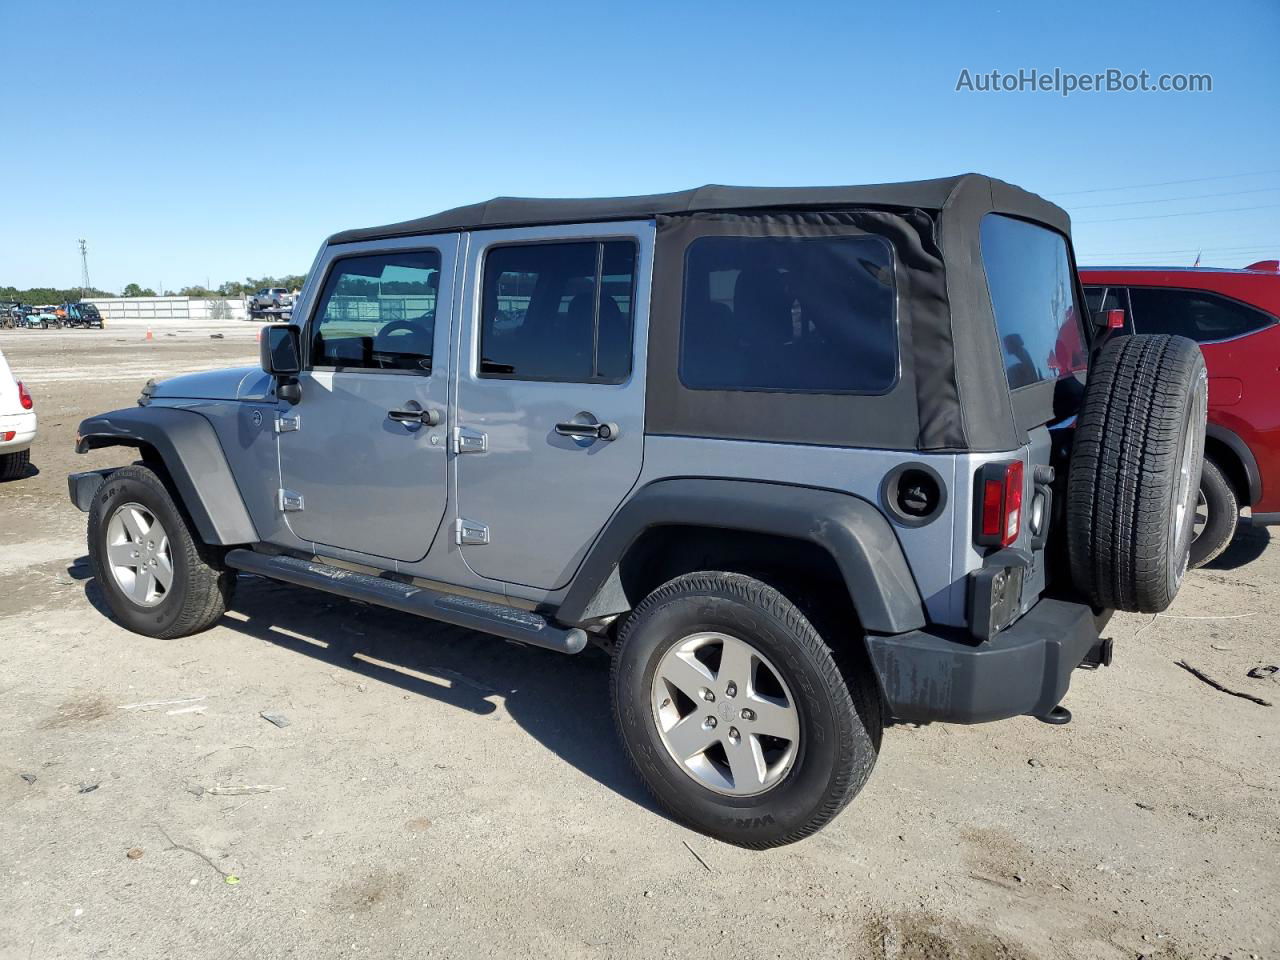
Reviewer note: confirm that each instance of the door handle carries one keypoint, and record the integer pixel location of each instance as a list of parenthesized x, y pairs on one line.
[(430, 418), (592, 431)]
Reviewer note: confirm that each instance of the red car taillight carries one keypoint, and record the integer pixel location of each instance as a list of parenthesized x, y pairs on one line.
[(24, 397), (999, 504)]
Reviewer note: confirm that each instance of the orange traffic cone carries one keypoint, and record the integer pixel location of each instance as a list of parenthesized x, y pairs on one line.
[(149, 336)]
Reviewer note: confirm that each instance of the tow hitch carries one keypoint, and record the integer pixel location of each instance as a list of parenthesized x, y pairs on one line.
[(1099, 655)]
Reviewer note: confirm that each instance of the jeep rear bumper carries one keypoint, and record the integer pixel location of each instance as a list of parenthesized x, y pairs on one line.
[(1024, 669)]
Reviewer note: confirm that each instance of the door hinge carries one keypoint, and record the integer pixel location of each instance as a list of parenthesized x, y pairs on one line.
[(290, 500), (468, 531), (466, 440), (288, 424)]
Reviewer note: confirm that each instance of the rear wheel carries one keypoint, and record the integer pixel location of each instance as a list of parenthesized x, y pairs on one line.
[(13, 466), (158, 578), (734, 711), (1217, 513)]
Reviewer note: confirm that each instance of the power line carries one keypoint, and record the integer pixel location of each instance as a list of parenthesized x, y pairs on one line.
[(1187, 213), (1198, 196), (1162, 183)]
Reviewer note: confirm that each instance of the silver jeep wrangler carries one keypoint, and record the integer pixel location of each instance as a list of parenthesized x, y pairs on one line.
[(806, 461)]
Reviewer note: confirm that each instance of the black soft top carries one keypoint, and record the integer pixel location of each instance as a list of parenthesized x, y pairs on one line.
[(967, 190)]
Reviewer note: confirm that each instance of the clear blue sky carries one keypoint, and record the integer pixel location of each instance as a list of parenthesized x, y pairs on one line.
[(193, 141)]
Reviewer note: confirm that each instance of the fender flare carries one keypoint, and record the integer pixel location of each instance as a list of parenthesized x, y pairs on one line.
[(189, 448), (1232, 441), (853, 531)]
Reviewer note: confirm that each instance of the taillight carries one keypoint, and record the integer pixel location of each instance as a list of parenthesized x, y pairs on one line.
[(24, 397), (999, 497)]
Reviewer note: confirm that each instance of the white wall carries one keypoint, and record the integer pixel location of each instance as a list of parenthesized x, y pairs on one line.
[(167, 310)]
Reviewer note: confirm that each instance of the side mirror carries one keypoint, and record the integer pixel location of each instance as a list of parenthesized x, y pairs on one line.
[(1109, 319), (280, 348)]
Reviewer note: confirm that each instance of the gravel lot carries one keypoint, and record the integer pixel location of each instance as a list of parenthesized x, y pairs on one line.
[(443, 793)]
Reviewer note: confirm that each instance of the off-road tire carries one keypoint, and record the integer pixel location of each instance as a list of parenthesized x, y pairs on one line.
[(201, 588), (13, 466), (1131, 470), (1223, 508), (840, 713)]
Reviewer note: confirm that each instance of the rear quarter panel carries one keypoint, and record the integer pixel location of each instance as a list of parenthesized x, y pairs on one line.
[(1244, 397), (940, 553)]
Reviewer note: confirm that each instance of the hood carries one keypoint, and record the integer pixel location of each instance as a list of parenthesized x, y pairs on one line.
[(237, 383)]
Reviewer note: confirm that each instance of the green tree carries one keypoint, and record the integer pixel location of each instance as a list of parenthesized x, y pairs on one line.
[(133, 290)]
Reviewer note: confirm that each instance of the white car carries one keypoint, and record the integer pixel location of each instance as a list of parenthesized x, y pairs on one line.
[(17, 424)]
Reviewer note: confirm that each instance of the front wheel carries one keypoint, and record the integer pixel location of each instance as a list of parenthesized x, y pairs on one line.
[(158, 578), (735, 713)]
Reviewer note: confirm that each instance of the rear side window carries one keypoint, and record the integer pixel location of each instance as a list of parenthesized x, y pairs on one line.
[(797, 315), (1102, 299), (558, 311), (1197, 314), (378, 312), (1032, 291)]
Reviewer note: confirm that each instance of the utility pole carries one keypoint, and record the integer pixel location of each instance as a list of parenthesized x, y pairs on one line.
[(84, 270)]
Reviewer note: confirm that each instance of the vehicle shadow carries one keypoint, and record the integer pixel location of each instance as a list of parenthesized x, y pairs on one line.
[(561, 701), (1250, 542)]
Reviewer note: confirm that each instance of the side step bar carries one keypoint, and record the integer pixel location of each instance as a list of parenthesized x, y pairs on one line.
[(460, 611)]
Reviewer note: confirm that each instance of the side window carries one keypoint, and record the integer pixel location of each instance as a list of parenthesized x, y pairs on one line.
[(813, 315), (558, 311), (1101, 299), (378, 312), (1032, 289), (1094, 298), (1198, 314)]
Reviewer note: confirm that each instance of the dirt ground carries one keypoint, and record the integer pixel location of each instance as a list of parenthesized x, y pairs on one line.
[(440, 793)]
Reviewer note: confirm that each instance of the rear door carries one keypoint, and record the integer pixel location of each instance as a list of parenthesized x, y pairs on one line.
[(550, 394)]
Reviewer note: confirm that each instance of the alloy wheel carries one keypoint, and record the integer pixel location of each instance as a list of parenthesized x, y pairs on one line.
[(725, 714), (139, 555)]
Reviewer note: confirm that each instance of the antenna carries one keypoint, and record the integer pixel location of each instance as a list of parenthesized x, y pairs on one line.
[(84, 270)]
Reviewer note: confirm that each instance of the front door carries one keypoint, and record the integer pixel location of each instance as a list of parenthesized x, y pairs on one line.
[(363, 454), (550, 394)]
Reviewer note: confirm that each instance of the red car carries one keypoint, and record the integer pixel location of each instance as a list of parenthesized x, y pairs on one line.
[(1235, 317)]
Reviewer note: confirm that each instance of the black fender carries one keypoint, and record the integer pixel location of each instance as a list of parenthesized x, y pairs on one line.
[(1247, 460), (853, 531), (188, 445)]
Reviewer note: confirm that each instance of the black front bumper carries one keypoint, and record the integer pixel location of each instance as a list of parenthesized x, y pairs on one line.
[(1024, 669)]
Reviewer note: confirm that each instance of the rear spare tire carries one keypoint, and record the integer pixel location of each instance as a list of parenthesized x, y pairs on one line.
[(1135, 471)]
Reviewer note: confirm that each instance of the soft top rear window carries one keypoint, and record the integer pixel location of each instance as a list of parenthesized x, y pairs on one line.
[(797, 315), (1032, 291)]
